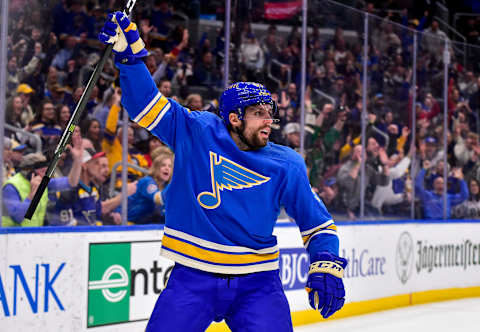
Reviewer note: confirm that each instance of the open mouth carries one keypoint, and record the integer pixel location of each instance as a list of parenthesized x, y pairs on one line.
[(165, 175), (265, 133)]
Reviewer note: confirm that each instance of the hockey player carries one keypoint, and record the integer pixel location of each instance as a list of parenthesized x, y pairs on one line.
[(222, 204)]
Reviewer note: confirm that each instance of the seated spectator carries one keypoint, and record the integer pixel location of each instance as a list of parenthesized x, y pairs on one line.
[(12, 156), (292, 135), (252, 58), (387, 195), (161, 13), (25, 92), (348, 180), (92, 130), (153, 143), (81, 205), (205, 72), (59, 95), (16, 74), (63, 116), (112, 146), (433, 200), (194, 102), (329, 195), (147, 204), (111, 104), (65, 54), (46, 125), (16, 117), (465, 149), (18, 191), (165, 88), (469, 209)]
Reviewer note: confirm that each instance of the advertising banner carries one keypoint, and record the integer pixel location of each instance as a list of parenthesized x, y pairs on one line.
[(86, 280)]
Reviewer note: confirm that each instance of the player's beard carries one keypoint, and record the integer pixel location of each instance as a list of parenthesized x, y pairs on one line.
[(253, 137)]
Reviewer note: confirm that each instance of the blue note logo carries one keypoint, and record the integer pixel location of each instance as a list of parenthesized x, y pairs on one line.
[(226, 174)]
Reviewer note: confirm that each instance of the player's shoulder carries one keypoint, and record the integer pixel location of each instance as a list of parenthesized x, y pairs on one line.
[(285, 153), (207, 118)]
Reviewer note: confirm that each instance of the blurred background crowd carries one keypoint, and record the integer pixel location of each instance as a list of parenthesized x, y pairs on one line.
[(53, 49)]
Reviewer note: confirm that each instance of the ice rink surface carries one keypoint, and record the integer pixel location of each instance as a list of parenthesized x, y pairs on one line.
[(448, 316)]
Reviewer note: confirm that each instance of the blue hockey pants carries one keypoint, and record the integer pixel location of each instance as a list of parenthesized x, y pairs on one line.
[(194, 298)]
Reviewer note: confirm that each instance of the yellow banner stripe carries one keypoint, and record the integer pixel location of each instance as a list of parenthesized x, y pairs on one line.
[(152, 114), (212, 256)]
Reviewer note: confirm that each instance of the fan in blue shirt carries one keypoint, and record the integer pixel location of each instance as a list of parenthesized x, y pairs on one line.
[(146, 205)]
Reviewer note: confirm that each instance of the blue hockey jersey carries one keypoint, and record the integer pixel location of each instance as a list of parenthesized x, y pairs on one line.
[(146, 204), (222, 203)]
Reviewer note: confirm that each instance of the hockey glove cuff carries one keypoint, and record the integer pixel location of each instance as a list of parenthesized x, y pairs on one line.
[(326, 292)]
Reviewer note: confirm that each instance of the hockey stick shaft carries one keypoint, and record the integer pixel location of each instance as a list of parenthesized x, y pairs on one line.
[(73, 122)]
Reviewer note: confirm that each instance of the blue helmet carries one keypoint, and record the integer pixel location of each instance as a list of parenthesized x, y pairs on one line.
[(239, 96)]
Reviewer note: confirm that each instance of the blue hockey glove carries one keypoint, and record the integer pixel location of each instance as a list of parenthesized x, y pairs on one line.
[(123, 34), (324, 285)]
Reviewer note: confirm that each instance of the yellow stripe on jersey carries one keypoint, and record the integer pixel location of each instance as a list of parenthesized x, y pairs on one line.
[(326, 228), (213, 256), (153, 113)]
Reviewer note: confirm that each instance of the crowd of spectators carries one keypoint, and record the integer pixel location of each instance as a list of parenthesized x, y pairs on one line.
[(52, 50)]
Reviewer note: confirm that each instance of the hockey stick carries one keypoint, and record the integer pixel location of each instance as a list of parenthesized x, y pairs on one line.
[(72, 123)]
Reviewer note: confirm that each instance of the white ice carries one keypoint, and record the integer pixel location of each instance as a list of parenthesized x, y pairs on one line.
[(448, 316)]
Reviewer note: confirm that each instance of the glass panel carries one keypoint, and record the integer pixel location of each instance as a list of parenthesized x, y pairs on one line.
[(333, 100), (429, 115), (390, 74), (463, 130)]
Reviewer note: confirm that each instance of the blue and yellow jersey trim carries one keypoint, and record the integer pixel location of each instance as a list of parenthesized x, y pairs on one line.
[(327, 227), (209, 256), (151, 115)]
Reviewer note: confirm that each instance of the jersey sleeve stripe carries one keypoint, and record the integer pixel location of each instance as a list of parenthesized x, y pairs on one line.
[(313, 230), (160, 116), (326, 231), (332, 227), (147, 120), (148, 107)]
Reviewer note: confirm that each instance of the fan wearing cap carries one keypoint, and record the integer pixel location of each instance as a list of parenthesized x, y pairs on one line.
[(19, 190), (12, 156), (25, 92), (81, 205)]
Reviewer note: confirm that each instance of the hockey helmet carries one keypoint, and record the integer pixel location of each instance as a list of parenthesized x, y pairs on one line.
[(239, 96)]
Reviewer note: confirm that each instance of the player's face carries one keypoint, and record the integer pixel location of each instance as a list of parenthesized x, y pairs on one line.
[(257, 122)]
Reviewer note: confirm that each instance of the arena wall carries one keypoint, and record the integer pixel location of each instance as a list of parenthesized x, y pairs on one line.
[(108, 278)]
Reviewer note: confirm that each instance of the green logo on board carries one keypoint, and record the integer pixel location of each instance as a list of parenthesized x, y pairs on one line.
[(109, 284)]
